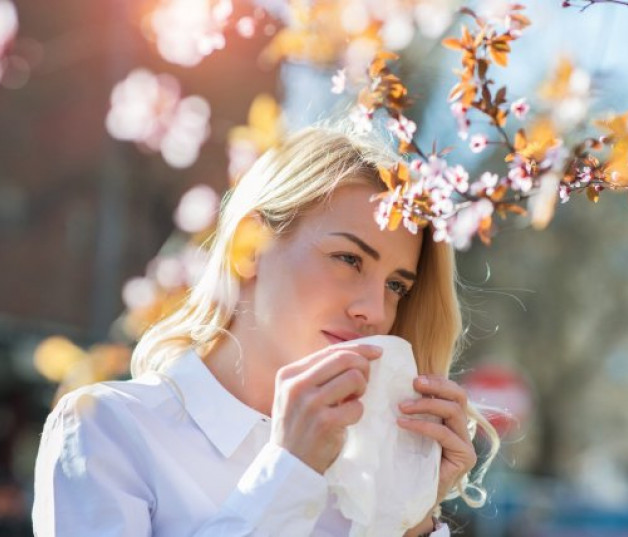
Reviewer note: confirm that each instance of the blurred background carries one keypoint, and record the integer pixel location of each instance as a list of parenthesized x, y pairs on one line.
[(121, 125)]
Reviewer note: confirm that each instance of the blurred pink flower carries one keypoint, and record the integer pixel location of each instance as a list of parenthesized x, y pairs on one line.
[(139, 293), (339, 81), (148, 110), (361, 117), (188, 30), (8, 25), (466, 223), (197, 209), (459, 111), (520, 179)]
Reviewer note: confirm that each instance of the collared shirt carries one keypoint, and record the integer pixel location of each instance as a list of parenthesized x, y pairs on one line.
[(173, 455)]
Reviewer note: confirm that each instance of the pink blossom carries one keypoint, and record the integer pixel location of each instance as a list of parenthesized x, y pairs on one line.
[(384, 209), (485, 184), (441, 231), (339, 81), (459, 177), (434, 169), (584, 177), (467, 221), (520, 179), (403, 128), (563, 192), (459, 112), (478, 143), (415, 165), (520, 108), (361, 117)]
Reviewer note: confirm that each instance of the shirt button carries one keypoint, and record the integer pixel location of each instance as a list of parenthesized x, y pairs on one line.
[(311, 510)]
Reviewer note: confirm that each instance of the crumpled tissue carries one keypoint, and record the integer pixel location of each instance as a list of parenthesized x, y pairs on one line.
[(386, 478)]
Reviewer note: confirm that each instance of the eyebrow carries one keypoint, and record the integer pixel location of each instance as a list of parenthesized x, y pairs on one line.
[(369, 250)]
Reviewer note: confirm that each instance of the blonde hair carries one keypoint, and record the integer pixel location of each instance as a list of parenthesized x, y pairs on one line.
[(304, 170)]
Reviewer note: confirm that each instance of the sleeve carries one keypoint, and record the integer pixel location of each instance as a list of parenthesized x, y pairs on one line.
[(87, 482), (278, 496)]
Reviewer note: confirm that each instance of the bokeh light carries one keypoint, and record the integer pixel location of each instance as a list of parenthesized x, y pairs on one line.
[(148, 109), (197, 209)]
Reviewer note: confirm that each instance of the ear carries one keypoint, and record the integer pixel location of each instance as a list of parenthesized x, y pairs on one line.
[(250, 238)]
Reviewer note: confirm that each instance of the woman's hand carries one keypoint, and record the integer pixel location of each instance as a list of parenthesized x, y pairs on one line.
[(446, 400), (316, 398)]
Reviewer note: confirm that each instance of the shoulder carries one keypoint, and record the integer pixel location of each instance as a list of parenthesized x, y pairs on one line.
[(111, 406)]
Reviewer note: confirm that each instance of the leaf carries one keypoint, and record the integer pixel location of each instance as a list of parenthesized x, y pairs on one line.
[(499, 57), (378, 64), (593, 194), (482, 68), (452, 43), (405, 148), (386, 177), (484, 230), (395, 219), (500, 96)]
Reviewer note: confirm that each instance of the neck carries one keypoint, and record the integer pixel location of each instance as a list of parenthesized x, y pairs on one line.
[(242, 370)]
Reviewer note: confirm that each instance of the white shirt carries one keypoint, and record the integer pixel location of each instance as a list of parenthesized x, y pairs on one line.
[(173, 456)]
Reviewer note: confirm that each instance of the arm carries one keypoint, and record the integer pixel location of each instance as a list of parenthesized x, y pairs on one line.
[(85, 483)]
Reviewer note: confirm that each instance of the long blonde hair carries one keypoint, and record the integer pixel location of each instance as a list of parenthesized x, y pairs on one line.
[(304, 170)]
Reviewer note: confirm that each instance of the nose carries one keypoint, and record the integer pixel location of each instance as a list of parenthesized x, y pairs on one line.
[(367, 308)]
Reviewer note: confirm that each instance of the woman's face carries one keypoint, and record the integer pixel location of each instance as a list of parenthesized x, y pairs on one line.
[(335, 276)]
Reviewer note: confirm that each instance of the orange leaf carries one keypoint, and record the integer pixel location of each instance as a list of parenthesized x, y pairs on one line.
[(386, 177), (395, 219), (500, 58), (593, 194), (452, 43)]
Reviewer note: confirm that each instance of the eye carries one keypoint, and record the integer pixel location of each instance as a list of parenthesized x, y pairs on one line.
[(398, 287), (351, 260)]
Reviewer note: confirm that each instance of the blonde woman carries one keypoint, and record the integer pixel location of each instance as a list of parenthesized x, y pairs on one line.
[(240, 400)]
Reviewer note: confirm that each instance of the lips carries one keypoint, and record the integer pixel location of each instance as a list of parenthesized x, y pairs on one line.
[(339, 336)]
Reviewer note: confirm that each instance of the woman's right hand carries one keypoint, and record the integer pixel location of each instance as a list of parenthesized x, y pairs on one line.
[(316, 398)]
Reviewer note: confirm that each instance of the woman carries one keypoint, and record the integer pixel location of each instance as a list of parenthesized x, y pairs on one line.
[(187, 448)]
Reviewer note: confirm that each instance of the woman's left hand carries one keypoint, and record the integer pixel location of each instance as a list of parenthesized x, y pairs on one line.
[(444, 399)]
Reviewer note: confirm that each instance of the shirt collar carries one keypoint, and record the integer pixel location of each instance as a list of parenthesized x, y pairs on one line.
[(224, 419)]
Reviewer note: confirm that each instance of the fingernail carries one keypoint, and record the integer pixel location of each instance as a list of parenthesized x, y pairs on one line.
[(373, 350), (423, 380), (405, 404)]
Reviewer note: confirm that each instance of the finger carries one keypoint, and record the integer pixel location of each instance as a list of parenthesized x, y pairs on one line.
[(370, 352), (348, 413), (449, 440), (350, 384), (442, 387), (450, 412), (335, 363)]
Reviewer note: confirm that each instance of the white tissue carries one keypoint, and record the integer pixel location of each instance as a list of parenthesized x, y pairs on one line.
[(385, 478)]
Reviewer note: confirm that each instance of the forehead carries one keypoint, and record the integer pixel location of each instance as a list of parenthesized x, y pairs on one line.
[(349, 209)]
